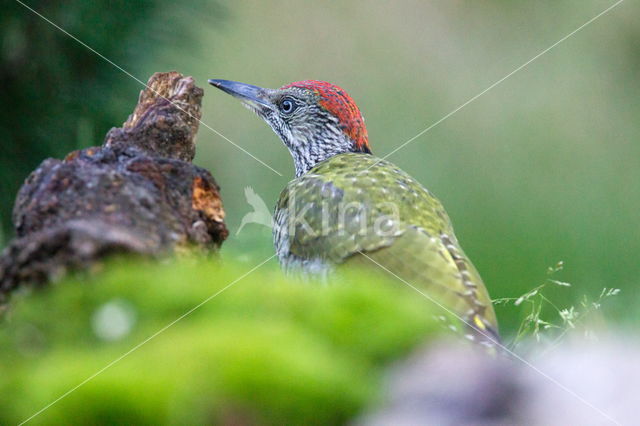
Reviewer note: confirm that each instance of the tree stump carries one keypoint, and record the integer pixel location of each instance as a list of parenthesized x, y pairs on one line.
[(137, 193)]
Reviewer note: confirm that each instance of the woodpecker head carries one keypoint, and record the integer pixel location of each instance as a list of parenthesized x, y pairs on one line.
[(315, 119)]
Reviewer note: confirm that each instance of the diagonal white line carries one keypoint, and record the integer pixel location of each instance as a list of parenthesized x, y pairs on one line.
[(494, 341), (145, 85), (490, 338), (499, 81), (136, 347)]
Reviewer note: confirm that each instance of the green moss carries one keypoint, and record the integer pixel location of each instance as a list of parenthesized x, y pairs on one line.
[(265, 350)]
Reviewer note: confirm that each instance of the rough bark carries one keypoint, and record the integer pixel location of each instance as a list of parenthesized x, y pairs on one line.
[(137, 193)]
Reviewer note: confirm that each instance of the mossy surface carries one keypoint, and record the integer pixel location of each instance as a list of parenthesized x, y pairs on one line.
[(265, 350)]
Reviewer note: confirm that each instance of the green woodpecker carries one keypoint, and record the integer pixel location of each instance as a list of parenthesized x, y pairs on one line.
[(346, 206)]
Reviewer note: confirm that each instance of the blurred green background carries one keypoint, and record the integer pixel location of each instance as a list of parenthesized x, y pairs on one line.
[(255, 354), (544, 167)]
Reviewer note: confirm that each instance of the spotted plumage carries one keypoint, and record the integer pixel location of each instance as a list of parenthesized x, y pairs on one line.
[(346, 207)]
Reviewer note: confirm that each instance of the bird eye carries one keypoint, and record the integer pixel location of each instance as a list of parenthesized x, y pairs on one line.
[(288, 105)]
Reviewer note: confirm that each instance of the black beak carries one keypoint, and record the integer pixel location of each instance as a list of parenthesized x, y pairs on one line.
[(247, 93)]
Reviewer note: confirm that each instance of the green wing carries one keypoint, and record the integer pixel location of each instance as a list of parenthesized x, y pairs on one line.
[(355, 209)]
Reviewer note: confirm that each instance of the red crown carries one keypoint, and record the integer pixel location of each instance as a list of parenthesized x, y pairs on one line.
[(338, 102)]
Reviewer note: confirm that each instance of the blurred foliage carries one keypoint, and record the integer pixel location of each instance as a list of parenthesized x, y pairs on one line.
[(57, 95), (257, 349)]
